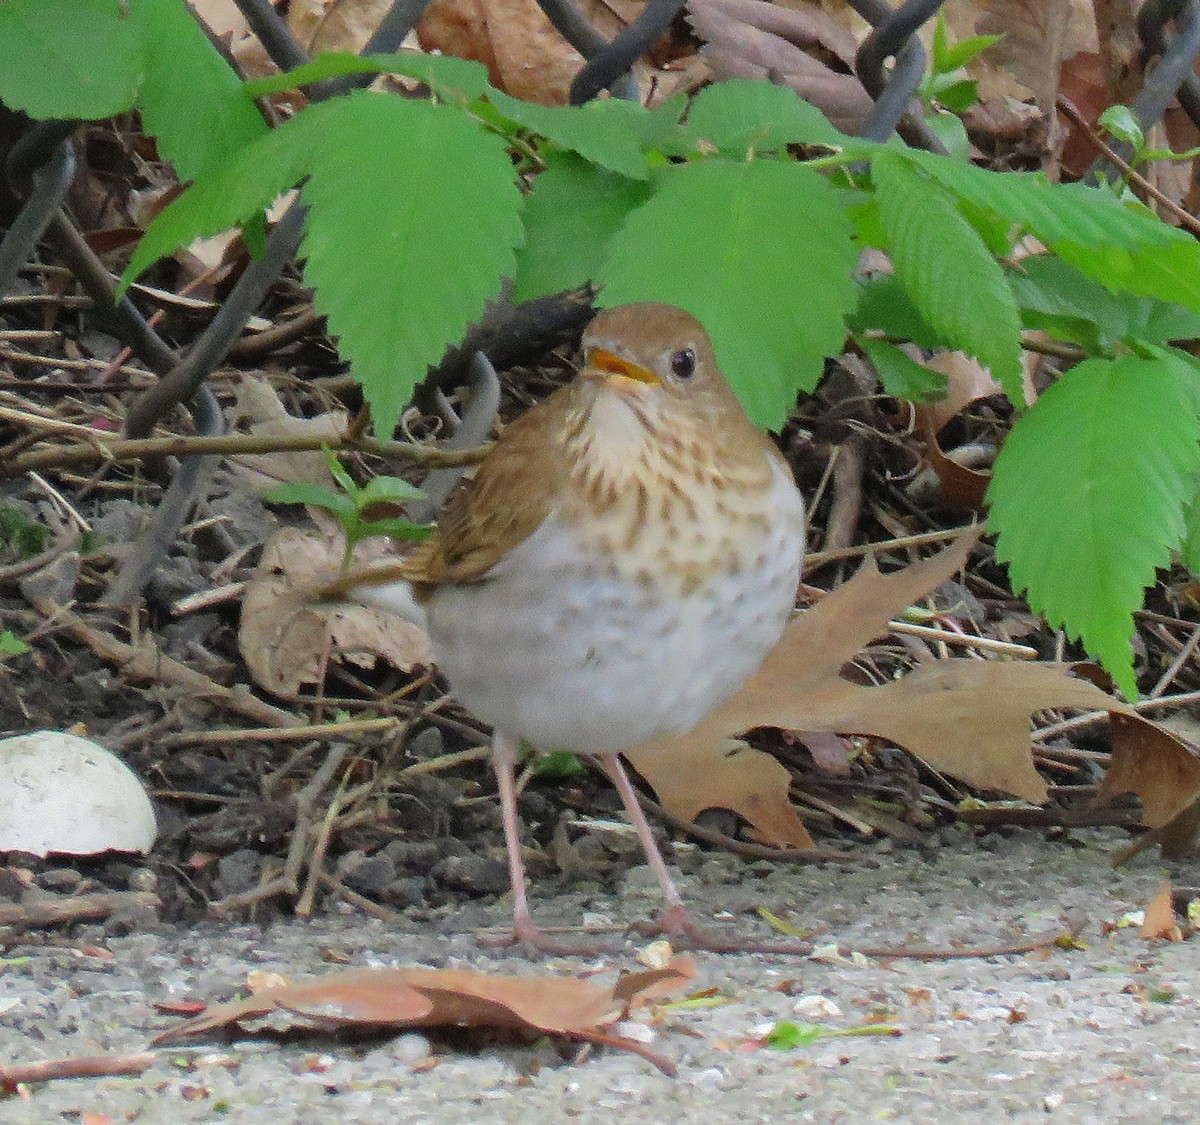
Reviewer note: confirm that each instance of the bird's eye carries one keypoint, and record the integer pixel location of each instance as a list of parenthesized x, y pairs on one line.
[(683, 363)]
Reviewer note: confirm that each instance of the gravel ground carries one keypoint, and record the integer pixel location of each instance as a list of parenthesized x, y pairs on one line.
[(1103, 1033)]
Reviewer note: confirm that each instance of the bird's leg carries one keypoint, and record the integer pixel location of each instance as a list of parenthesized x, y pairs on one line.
[(505, 748), (674, 921), (504, 760)]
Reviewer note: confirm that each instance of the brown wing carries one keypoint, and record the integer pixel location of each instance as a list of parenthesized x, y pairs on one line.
[(487, 515)]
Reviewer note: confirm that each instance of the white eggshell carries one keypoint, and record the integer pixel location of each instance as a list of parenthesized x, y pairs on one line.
[(63, 793)]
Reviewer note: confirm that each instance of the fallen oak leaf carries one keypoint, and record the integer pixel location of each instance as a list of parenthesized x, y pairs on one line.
[(967, 718), (382, 999), (1160, 767)]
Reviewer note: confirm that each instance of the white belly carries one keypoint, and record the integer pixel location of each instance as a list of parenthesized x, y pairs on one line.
[(559, 651)]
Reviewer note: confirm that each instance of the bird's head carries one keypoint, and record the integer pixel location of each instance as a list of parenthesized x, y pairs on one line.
[(654, 363)]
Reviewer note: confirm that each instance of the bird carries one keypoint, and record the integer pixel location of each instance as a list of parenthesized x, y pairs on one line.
[(620, 563)]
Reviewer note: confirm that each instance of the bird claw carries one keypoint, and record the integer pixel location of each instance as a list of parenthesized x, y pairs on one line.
[(533, 939)]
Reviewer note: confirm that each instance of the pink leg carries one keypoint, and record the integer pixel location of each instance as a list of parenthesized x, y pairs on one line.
[(674, 921), (504, 759)]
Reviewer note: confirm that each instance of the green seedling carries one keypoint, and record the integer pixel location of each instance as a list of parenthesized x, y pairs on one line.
[(359, 509)]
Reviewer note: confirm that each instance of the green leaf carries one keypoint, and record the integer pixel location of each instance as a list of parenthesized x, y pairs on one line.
[(901, 375), (741, 114), (304, 492), (413, 219), (593, 130), (69, 58), (733, 244), (1124, 246), (557, 765), (1089, 494), (1057, 297), (1118, 121), (394, 528), (570, 213), (385, 488), (957, 94), (338, 471), (885, 307), (11, 645), (231, 194), (1189, 550), (459, 79), (191, 100), (947, 269), (952, 133), (959, 54), (788, 1036)]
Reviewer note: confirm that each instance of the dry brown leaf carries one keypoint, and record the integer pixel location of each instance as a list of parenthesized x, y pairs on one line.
[(1038, 36), (376, 999), (1161, 768), (259, 410), (967, 718), (525, 56), (1159, 921), (223, 18), (967, 380), (751, 39), (283, 636), (335, 25), (690, 776)]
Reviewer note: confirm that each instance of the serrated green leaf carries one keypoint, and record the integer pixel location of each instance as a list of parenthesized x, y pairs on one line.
[(412, 223), (1058, 297), (742, 114), (461, 79), (69, 58), (594, 130), (570, 213), (901, 375), (1189, 549), (885, 307), (304, 492), (947, 269), (732, 244), (1089, 494), (229, 195), (1124, 246), (191, 100)]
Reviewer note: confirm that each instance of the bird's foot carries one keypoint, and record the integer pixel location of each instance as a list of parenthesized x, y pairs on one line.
[(531, 937)]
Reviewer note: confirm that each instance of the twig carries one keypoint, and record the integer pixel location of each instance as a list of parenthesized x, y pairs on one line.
[(81, 1066), (145, 661), (228, 445), (1184, 655), (819, 558), (76, 909), (1081, 722), (206, 599), (299, 733), (355, 899), (1067, 108), (967, 640)]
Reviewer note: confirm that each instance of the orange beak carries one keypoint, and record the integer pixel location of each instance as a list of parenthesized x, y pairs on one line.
[(602, 364)]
